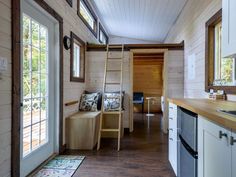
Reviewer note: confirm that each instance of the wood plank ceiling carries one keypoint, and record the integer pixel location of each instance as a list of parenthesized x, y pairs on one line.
[(139, 19)]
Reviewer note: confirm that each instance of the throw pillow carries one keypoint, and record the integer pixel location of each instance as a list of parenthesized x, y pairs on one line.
[(88, 102)]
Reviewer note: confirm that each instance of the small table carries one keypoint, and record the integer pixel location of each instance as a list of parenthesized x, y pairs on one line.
[(149, 99)]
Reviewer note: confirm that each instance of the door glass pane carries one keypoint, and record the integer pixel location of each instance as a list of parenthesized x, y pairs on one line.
[(35, 82)]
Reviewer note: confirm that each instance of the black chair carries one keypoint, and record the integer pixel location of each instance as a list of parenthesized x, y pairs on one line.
[(138, 99)]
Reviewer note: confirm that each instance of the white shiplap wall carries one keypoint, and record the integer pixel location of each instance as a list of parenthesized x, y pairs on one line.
[(72, 91), (190, 27), (125, 40), (5, 89)]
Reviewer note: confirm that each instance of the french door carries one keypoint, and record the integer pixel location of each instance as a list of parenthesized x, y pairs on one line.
[(38, 88)]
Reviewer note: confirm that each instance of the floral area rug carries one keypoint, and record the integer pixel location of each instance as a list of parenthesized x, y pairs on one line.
[(62, 165)]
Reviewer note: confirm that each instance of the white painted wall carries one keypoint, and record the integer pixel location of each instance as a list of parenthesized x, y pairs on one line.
[(190, 27), (72, 91), (5, 89)]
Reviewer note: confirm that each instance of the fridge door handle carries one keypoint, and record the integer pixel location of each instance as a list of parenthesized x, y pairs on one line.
[(188, 148)]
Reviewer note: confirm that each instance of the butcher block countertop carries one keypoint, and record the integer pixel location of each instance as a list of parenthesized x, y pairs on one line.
[(208, 109)]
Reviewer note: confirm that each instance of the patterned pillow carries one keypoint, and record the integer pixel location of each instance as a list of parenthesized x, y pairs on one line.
[(112, 101), (88, 102)]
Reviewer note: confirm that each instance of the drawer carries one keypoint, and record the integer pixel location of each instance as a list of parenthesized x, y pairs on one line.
[(172, 113), (172, 134), (173, 122), (172, 106)]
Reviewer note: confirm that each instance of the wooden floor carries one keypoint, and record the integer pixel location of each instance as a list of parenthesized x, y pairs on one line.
[(144, 153)]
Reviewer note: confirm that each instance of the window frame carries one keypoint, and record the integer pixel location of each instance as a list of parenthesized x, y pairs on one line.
[(101, 29), (70, 2), (210, 55), (89, 8), (81, 43)]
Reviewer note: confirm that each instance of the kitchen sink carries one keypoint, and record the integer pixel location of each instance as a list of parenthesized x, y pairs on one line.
[(231, 112)]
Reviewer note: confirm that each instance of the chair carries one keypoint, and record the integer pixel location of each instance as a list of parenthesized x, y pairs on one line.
[(138, 99)]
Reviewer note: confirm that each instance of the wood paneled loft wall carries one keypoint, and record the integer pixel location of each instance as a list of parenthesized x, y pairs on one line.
[(148, 78)]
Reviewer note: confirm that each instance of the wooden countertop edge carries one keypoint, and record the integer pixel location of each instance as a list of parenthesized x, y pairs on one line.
[(219, 118)]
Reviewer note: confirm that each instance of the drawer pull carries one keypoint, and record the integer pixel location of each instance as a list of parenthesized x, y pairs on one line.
[(170, 118), (171, 107), (171, 139), (171, 129), (221, 134), (232, 140)]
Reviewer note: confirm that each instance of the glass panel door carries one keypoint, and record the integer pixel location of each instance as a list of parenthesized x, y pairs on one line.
[(39, 82), (35, 85)]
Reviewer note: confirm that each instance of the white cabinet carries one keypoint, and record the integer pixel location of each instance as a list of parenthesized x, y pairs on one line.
[(233, 154), (173, 136), (214, 150), (228, 28)]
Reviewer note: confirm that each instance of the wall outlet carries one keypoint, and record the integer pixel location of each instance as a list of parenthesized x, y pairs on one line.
[(3, 64)]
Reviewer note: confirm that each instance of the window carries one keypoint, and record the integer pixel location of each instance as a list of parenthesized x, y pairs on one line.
[(87, 15), (103, 38), (220, 72), (77, 59), (224, 67)]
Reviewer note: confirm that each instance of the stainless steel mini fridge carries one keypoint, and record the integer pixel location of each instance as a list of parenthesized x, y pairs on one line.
[(187, 148)]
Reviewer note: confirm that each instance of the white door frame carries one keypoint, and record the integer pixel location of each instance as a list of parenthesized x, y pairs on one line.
[(165, 82), (38, 11)]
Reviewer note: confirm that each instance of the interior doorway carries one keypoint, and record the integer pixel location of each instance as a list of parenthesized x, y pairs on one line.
[(148, 81), (147, 75)]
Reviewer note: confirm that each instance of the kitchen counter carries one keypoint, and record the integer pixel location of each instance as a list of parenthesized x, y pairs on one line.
[(208, 109)]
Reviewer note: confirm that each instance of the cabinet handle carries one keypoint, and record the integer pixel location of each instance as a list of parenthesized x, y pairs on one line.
[(171, 139), (171, 129), (171, 107), (232, 140), (221, 134), (170, 118)]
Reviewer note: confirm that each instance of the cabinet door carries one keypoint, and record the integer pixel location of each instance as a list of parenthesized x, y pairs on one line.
[(214, 152), (234, 156), (228, 28)]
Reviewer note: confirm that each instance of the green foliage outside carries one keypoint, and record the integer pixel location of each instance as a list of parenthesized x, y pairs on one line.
[(34, 64)]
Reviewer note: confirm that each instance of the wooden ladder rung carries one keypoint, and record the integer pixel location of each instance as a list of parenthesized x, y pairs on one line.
[(112, 112), (110, 130), (111, 70), (114, 58), (114, 83), (115, 46)]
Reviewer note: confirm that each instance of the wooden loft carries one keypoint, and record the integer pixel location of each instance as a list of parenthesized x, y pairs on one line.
[(128, 47)]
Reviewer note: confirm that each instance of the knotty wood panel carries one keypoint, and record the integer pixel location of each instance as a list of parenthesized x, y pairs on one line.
[(147, 78)]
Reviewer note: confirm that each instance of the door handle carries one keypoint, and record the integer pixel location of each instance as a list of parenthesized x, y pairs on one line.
[(232, 140), (221, 135)]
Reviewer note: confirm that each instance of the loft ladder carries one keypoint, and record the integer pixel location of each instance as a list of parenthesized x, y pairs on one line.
[(118, 114)]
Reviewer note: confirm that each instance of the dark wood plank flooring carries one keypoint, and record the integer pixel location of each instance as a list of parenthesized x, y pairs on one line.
[(144, 153)]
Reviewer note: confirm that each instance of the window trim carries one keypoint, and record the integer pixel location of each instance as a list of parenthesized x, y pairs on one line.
[(210, 55), (70, 2), (78, 41), (104, 32), (88, 6)]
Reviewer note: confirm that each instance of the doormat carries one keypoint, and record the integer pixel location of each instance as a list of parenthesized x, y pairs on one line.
[(62, 165)]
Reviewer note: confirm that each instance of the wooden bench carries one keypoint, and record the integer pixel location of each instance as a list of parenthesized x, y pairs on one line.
[(82, 130)]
